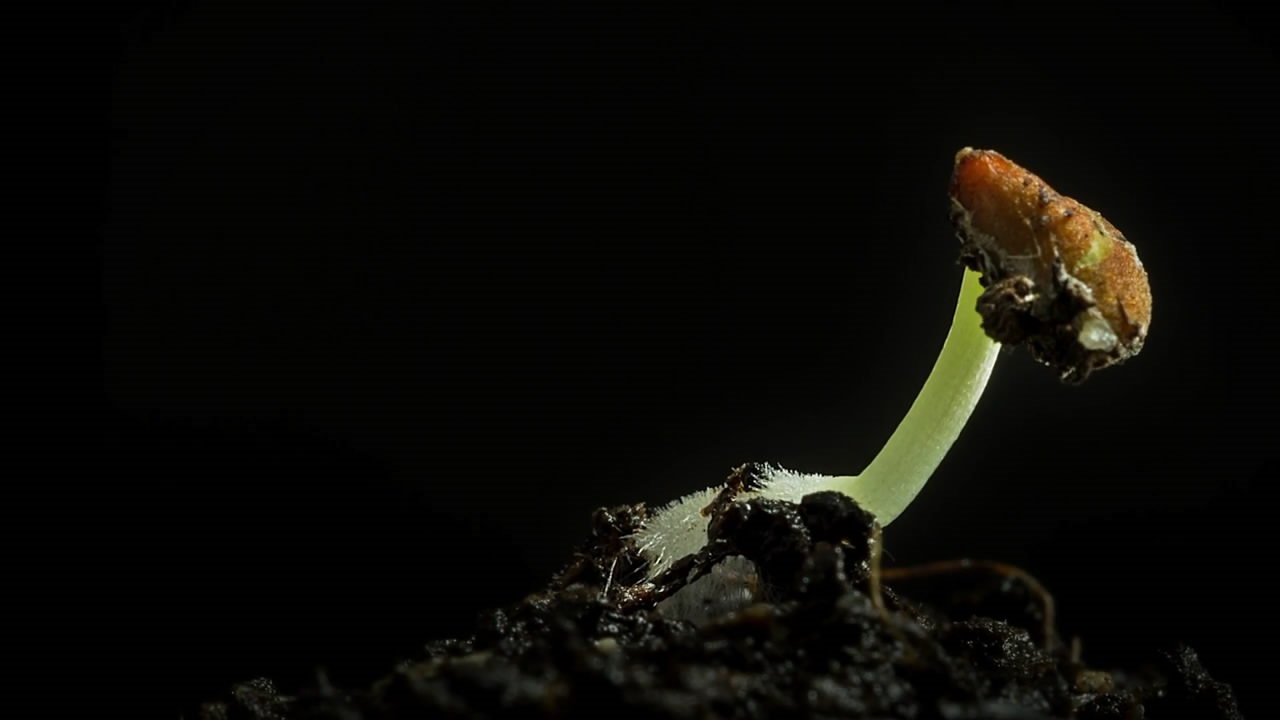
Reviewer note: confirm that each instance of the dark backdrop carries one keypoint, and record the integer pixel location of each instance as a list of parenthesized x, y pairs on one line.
[(395, 298)]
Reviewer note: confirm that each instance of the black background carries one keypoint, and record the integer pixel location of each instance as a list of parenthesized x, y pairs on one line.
[(394, 298)]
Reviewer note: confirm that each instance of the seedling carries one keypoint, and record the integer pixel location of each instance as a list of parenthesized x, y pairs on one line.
[(1042, 270)]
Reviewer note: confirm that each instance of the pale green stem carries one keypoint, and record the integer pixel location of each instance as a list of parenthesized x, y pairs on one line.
[(897, 474)]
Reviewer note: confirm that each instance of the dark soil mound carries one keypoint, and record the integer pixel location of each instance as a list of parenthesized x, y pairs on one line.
[(786, 613)]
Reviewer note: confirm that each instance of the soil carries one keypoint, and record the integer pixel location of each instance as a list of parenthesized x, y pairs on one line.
[(814, 629)]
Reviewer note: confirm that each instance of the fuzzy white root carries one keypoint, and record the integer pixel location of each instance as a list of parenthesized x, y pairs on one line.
[(898, 472)]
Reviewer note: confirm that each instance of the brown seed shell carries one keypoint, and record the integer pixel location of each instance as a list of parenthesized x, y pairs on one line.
[(1059, 276)]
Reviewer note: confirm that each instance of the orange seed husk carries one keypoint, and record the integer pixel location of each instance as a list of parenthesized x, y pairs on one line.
[(1058, 275)]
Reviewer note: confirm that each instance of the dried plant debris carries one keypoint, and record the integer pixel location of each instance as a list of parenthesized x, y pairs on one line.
[(1059, 277), (781, 615)]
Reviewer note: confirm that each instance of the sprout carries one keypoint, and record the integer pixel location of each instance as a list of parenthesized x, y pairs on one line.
[(1042, 269)]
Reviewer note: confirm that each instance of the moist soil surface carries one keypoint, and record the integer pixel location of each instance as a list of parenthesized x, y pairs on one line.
[(785, 613)]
